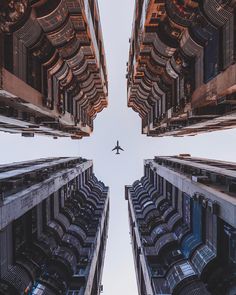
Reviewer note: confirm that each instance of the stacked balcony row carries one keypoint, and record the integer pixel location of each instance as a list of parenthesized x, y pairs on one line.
[(53, 76), (54, 222), (183, 227), (181, 69)]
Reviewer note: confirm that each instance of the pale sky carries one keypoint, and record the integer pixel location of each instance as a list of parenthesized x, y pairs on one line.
[(118, 122)]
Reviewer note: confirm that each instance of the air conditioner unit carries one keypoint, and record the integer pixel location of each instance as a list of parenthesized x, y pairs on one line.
[(184, 155), (27, 134), (170, 113), (200, 178)]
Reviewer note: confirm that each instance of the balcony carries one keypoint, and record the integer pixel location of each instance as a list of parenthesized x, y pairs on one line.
[(47, 243), (180, 16), (202, 258), (56, 229), (53, 282), (40, 289), (179, 274), (165, 241), (73, 243), (18, 278), (64, 258), (77, 232)]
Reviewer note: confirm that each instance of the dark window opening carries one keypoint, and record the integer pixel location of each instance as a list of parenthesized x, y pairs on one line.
[(8, 52)]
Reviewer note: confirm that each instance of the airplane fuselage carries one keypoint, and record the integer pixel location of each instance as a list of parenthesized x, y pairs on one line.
[(117, 148)]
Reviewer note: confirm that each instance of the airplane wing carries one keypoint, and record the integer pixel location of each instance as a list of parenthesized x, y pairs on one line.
[(114, 149), (120, 148)]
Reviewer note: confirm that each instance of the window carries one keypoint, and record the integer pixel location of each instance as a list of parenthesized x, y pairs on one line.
[(187, 269), (46, 215), (176, 194), (160, 185), (8, 52), (197, 220), (34, 221), (210, 230), (39, 290), (186, 209), (169, 192), (202, 257), (19, 233), (73, 292), (232, 248), (211, 55), (34, 72), (52, 206)]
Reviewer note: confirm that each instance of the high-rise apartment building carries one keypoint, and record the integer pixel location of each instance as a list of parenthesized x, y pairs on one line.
[(53, 228), (53, 77), (181, 69), (183, 226)]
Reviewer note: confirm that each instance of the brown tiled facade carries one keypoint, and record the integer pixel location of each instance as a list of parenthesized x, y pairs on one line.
[(53, 77), (181, 69)]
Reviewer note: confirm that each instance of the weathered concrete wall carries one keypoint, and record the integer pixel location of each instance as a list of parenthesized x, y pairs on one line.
[(186, 185), (19, 203)]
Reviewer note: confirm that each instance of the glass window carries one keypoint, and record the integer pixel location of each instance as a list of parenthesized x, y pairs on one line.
[(233, 250), (186, 209), (187, 269)]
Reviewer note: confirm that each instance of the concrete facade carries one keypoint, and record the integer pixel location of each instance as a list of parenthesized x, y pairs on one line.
[(53, 230), (183, 226)]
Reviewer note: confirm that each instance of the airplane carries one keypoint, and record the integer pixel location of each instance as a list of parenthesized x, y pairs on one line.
[(117, 148)]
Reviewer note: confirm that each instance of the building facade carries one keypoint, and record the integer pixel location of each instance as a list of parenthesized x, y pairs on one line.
[(181, 69), (53, 227), (53, 77), (183, 226)]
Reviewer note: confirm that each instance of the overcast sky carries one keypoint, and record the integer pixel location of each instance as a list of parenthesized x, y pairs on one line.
[(118, 122)]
